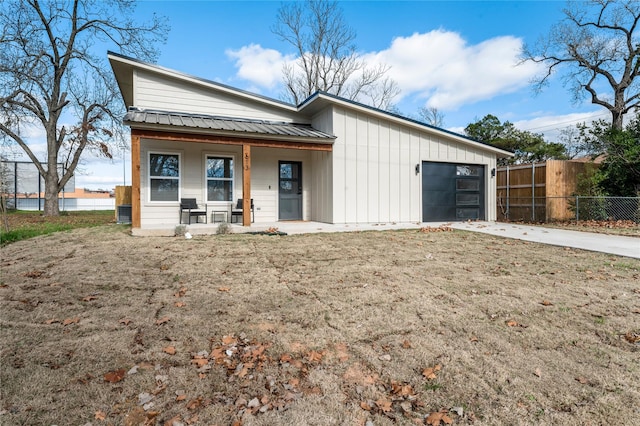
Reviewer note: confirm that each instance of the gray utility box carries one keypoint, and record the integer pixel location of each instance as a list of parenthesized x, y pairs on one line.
[(124, 213)]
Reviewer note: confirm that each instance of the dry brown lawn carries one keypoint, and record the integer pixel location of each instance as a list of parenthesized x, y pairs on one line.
[(400, 327)]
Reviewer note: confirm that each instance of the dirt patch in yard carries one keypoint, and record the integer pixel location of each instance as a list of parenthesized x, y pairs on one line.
[(402, 327)]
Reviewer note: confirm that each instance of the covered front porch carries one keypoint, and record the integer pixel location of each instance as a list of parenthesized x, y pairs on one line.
[(283, 170)]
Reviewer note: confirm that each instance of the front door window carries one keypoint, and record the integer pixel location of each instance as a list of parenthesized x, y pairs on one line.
[(290, 190)]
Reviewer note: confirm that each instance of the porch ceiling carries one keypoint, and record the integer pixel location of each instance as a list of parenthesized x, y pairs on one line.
[(238, 127)]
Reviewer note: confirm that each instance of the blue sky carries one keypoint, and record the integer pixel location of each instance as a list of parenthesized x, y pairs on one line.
[(458, 56)]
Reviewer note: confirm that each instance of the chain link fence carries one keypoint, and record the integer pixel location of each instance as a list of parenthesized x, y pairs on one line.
[(607, 208), (575, 208)]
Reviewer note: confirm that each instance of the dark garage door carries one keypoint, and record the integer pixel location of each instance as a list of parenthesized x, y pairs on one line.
[(452, 192)]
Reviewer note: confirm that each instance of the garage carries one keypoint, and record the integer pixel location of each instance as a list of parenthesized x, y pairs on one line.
[(452, 192)]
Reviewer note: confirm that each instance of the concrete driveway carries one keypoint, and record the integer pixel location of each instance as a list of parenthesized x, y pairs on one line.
[(613, 244)]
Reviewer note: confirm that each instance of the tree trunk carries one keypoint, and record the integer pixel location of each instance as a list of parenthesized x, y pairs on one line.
[(617, 112), (51, 206), (617, 120)]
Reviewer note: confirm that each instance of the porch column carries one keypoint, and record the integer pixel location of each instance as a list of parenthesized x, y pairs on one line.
[(246, 185), (135, 180)]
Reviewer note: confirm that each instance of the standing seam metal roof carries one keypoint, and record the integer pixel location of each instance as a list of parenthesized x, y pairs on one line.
[(239, 125)]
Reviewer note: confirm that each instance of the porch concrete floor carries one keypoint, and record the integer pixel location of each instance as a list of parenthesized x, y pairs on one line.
[(612, 244)]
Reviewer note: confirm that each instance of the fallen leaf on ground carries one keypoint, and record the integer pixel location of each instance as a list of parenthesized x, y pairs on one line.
[(402, 389), (537, 372), (194, 403), (34, 274), (171, 350), (229, 340), (294, 382), (632, 337), (89, 298), (180, 304), (172, 421), (162, 320), (51, 321), (224, 288), (100, 415), (365, 406), (315, 356), (114, 376), (199, 362), (430, 372), (342, 351), (406, 345), (69, 321), (285, 358), (125, 321), (582, 380), (438, 417), (181, 292), (384, 404), (136, 417), (512, 323), (546, 303)]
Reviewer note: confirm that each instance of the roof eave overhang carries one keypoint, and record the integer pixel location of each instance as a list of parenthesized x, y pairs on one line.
[(229, 134), (123, 68)]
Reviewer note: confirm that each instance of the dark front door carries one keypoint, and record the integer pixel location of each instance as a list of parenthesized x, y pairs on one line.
[(290, 190), (452, 192)]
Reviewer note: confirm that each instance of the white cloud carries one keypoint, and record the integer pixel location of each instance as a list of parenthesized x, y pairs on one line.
[(552, 125), (260, 66), (443, 68), (439, 66)]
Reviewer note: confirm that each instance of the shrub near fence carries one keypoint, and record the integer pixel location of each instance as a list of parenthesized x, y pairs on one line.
[(552, 209)]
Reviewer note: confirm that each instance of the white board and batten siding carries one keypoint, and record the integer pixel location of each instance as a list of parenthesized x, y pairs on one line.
[(265, 176), (162, 92), (374, 167)]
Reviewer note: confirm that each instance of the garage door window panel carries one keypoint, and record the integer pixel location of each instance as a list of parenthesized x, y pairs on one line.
[(467, 185)]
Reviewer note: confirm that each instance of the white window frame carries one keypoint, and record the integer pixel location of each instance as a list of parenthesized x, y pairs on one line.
[(150, 178), (217, 155)]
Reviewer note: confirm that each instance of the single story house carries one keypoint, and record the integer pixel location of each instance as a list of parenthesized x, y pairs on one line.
[(327, 160)]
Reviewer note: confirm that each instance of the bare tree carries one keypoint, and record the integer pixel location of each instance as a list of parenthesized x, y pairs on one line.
[(50, 72), (327, 56), (599, 45), (570, 138), (432, 116)]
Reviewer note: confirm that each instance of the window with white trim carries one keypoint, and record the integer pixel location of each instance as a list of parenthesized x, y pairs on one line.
[(219, 175), (164, 176)]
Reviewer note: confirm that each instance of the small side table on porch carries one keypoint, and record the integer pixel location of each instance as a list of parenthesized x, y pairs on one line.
[(223, 213)]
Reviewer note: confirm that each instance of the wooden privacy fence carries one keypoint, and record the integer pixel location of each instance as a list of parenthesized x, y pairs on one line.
[(540, 192)]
